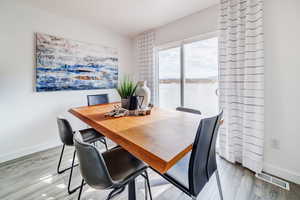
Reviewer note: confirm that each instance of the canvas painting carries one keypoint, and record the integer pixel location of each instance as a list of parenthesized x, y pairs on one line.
[(63, 64)]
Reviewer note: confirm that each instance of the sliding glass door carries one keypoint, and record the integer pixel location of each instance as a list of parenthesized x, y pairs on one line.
[(169, 78), (201, 75), (188, 76)]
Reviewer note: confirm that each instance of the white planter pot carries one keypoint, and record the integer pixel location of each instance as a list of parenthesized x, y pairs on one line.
[(144, 91)]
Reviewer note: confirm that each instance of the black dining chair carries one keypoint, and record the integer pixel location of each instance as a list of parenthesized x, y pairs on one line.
[(66, 135), (97, 99), (194, 170), (189, 110), (113, 169)]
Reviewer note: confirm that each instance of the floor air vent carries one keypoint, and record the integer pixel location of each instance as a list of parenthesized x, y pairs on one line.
[(275, 181)]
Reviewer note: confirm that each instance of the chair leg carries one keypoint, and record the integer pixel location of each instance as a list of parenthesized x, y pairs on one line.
[(104, 142), (59, 162), (115, 192), (146, 189), (70, 177), (80, 190), (148, 184), (219, 184)]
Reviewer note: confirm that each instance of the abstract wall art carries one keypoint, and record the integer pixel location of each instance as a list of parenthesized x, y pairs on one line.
[(63, 64)]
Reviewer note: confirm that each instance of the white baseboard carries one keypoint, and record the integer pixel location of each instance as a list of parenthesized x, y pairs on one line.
[(282, 173), (26, 151)]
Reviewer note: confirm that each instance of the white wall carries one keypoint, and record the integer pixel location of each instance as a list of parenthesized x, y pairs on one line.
[(28, 119), (282, 81), (202, 22), (282, 77)]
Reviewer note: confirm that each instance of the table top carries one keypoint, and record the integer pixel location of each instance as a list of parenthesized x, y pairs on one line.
[(160, 139)]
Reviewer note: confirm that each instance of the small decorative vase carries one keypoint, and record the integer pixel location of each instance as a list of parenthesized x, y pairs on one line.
[(133, 103), (144, 91), (125, 103)]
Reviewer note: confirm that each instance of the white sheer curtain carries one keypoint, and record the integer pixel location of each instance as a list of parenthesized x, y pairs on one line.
[(241, 65), (145, 60)]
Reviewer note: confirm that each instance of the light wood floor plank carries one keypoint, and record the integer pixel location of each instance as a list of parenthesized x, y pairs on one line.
[(35, 177)]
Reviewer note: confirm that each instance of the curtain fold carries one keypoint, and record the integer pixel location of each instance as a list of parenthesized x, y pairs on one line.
[(145, 61), (241, 76)]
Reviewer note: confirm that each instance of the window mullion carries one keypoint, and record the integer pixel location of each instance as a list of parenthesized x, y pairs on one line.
[(182, 75)]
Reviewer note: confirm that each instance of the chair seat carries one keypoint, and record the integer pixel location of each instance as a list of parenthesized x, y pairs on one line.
[(122, 165), (179, 172), (90, 135)]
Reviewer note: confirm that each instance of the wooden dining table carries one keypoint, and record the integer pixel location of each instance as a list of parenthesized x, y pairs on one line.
[(160, 139)]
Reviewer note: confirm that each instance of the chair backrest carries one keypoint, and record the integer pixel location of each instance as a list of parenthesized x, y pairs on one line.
[(189, 110), (97, 99), (92, 165), (65, 131), (203, 158)]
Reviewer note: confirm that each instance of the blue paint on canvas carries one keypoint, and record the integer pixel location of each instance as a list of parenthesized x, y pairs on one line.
[(71, 65)]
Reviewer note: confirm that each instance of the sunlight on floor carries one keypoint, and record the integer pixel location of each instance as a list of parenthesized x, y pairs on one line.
[(47, 179)]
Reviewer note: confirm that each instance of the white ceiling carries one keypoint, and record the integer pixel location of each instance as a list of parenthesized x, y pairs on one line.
[(128, 17)]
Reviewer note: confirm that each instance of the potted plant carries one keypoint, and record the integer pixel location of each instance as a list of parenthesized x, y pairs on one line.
[(126, 90)]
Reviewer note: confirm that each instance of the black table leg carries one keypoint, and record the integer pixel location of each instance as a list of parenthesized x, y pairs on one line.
[(131, 190)]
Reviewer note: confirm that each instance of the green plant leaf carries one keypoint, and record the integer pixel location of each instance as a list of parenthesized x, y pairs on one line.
[(126, 88)]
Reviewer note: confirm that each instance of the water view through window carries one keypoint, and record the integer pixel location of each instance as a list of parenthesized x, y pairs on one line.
[(200, 80), (169, 78)]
